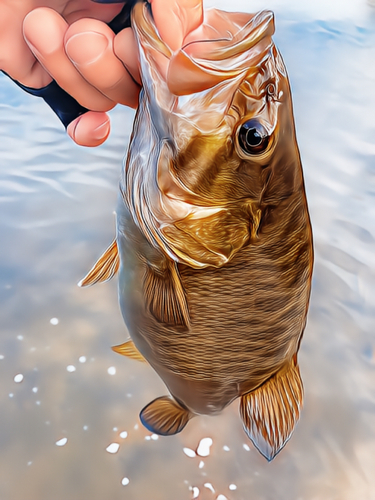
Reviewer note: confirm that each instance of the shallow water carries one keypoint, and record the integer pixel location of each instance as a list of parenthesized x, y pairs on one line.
[(56, 203)]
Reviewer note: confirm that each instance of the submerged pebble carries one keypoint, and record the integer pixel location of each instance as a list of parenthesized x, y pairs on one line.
[(62, 442), (125, 481), (188, 452), (204, 447), (54, 321), (195, 492), (113, 448), (209, 486), (18, 378)]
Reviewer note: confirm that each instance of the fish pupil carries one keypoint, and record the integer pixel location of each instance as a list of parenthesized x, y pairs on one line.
[(253, 137)]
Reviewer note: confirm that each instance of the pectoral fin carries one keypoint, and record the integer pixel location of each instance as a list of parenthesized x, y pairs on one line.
[(270, 413), (165, 416), (129, 350), (165, 295), (105, 268)]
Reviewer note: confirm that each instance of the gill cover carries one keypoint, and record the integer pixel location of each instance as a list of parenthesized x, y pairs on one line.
[(189, 227)]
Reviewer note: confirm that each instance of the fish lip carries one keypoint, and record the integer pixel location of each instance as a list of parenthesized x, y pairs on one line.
[(264, 156)]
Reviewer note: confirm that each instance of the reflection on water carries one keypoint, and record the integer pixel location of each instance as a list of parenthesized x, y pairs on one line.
[(69, 424)]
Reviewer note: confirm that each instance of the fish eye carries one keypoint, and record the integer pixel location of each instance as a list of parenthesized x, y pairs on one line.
[(253, 137)]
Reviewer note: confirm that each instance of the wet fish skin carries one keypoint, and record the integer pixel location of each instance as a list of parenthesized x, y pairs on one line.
[(215, 244)]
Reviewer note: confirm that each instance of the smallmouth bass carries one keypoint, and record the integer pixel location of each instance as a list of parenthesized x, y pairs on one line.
[(214, 242)]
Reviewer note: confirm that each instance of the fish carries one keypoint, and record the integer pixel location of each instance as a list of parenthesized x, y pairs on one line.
[(213, 245)]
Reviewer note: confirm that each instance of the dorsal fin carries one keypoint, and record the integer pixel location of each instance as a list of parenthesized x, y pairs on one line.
[(165, 295), (105, 268), (129, 350), (270, 413), (165, 416)]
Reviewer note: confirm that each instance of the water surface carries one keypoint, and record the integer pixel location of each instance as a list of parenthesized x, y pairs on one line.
[(57, 202)]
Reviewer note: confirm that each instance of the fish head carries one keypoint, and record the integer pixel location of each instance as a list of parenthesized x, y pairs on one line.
[(214, 126)]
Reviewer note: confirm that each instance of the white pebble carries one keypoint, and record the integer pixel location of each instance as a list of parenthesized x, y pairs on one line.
[(204, 447), (54, 321), (113, 448), (82, 359), (123, 434), (115, 429), (232, 487), (20, 337), (195, 492), (35, 389), (221, 497), (125, 481), (201, 464), (246, 447), (155, 437), (85, 427), (11, 394), (62, 442), (111, 370), (190, 453), (18, 378), (1, 356), (226, 448), (148, 438), (71, 368), (209, 486)]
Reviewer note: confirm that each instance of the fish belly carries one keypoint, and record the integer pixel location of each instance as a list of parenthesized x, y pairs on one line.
[(246, 318)]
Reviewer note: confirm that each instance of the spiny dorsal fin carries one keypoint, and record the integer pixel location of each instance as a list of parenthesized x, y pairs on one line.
[(105, 268), (270, 413), (128, 349), (165, 295), (165, 416)]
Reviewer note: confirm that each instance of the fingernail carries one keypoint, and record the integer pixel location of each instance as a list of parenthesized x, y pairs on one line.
[(85, 48), (102, 131)]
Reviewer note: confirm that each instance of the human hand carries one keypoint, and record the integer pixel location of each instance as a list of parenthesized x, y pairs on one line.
[(86, 55), (19, 62), (57, 41)]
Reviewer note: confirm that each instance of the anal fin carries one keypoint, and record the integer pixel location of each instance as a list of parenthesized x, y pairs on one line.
[(105, 268), (129, 350), (270, 413), (164, 416), (165, 295)]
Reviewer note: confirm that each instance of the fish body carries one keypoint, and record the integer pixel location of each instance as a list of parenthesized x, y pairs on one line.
[(213, 233)]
